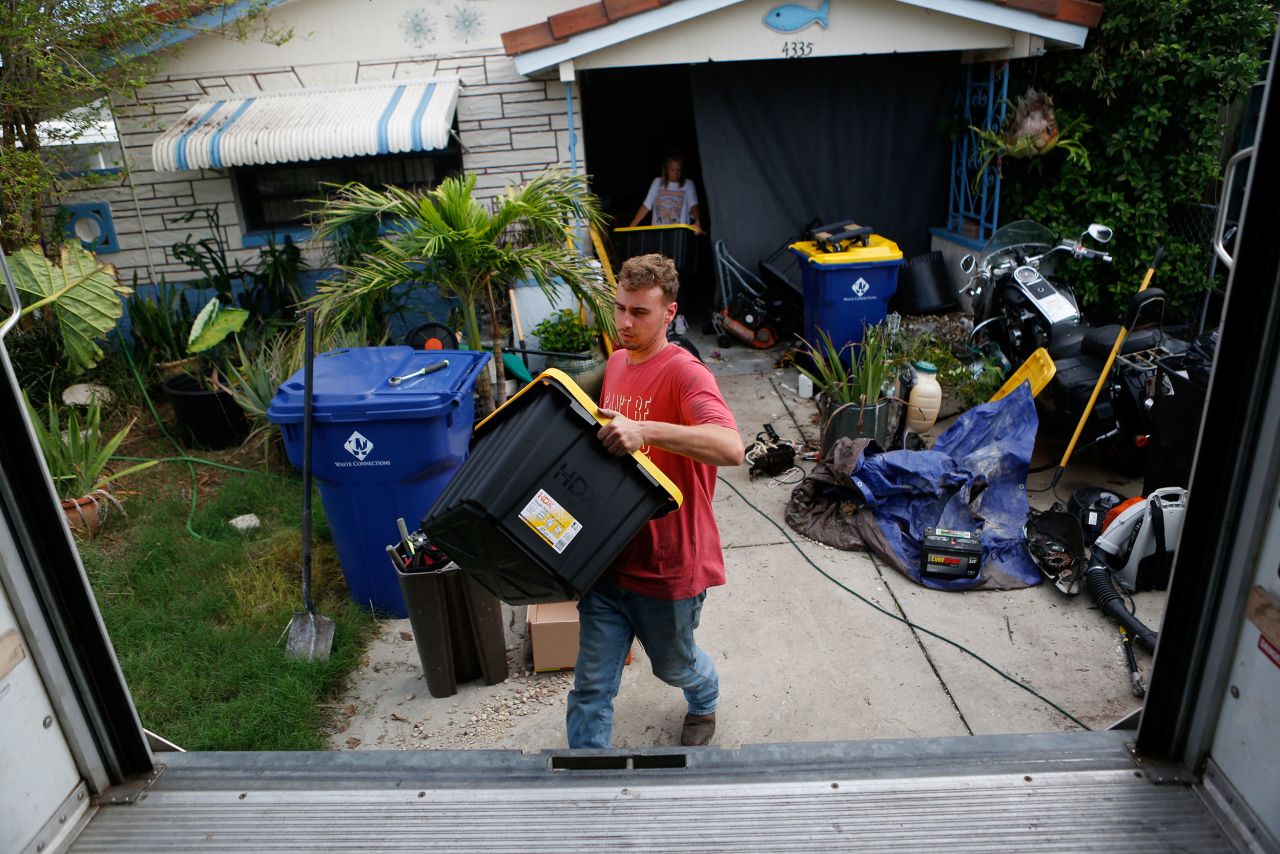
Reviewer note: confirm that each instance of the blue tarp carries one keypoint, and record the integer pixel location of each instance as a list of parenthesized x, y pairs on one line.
[(974, 479)]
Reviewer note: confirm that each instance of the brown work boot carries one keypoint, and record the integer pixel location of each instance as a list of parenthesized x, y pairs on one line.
[(697, 730)]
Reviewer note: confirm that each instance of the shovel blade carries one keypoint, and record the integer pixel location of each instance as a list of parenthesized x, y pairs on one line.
[(310, 637)]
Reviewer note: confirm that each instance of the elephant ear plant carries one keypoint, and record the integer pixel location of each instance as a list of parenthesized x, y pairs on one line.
[(469, 248), (82, 295), (210, 328)]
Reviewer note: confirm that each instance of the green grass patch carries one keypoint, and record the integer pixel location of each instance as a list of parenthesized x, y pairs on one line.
[(199, 624)]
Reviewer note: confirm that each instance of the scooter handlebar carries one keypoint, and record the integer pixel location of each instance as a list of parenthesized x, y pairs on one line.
[(1093, 254)]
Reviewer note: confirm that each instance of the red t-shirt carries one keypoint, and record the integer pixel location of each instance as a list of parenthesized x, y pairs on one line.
[(678, 555)]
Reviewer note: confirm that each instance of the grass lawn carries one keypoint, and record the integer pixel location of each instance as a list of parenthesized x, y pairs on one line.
[(199, 623)]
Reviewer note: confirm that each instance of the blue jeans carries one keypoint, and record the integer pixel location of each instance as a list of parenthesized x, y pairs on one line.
[(609, 618)]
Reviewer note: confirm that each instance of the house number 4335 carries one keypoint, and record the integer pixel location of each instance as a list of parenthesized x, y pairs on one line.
[(796, 50)]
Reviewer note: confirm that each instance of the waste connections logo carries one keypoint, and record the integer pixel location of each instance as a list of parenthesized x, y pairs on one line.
[(861, 287), (360, 447)]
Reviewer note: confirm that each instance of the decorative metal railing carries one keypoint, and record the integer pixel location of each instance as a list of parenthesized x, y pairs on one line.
[(974, 207)]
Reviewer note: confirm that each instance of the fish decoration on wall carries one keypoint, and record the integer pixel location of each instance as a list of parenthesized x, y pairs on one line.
[(792, 17)]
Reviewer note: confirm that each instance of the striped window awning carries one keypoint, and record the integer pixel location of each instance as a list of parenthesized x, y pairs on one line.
[(310, 124)]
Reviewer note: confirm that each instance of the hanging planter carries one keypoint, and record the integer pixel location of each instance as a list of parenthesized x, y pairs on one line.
[(1032, 132)]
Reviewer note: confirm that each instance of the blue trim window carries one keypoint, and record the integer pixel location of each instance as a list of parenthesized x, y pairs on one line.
[(91, 223), (974, 208), (281, 197)]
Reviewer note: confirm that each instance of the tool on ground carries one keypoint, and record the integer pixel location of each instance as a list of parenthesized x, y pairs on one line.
[(950, 554), (1135, 678), (310, 634), (769, 455), (744, 312), (421, 372), (1038, 370), (1091, 506), (1139, 543), (1105, 376), (1057, 546)]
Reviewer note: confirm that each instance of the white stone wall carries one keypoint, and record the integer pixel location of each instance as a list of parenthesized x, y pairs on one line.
[(511, 128)]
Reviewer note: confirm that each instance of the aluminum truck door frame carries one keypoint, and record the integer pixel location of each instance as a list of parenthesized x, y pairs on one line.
[(49, 592), (1231, 510)]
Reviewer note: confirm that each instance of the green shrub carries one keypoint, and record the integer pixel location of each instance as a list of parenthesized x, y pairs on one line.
[(1149, 89), (565, 332)]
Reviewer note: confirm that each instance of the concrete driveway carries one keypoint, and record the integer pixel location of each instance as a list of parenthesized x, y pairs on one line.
[(800, 658)]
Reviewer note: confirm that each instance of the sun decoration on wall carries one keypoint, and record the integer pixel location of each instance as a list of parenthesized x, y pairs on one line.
[(417, 27), (467, 22)]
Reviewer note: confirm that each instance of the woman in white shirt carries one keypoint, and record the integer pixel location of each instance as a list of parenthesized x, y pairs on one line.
[(672, 198)]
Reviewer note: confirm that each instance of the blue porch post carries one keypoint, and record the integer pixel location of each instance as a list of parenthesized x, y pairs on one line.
[(973, 209)]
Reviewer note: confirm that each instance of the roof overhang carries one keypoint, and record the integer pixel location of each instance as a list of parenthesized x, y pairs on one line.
[(585, 31), (393, 117)]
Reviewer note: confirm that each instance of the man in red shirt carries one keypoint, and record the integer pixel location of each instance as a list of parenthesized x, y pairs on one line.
[(661, 400)]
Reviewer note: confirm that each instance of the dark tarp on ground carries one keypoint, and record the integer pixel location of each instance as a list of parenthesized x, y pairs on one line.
[(858, 137), (973, 479)]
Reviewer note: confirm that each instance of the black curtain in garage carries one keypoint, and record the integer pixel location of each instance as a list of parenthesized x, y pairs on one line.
[(783, 142)]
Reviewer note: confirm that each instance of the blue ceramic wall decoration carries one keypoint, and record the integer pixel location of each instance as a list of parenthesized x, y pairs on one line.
[(792, 17), (417, 27), (467, 22), (91, 223)]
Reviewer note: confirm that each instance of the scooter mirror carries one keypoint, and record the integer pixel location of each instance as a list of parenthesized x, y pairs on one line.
[(967, 263), (1100, 232)]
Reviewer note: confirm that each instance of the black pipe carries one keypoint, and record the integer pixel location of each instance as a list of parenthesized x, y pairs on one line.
[(1103, 590)]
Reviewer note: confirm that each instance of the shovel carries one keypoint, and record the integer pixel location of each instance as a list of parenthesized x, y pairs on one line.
[(310, 634), (1105, 376)]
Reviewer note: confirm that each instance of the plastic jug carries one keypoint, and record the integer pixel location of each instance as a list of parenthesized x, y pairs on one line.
[(925, 398)]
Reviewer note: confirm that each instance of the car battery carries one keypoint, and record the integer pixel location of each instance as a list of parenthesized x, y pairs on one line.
[(950, 554)]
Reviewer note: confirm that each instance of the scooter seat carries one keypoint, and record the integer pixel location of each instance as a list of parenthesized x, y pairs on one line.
[(1067, 342), (1099, 341)]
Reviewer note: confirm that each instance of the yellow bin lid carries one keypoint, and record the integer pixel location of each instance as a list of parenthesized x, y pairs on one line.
[(879, 249)]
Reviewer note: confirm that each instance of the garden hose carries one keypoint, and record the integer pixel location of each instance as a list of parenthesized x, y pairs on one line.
[(904, 620)]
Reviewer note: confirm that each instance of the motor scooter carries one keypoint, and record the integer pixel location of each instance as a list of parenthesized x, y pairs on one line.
[(1022, 304)]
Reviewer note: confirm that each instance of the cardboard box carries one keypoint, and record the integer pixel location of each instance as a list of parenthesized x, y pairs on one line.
[(553, 633)]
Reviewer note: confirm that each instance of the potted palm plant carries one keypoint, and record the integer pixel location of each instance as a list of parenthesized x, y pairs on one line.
[(467, 248), (566, 332), (854, 392), (77, 457)]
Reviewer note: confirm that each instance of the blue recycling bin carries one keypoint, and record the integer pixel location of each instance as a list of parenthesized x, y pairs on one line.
[(843, 291), (380, 451)]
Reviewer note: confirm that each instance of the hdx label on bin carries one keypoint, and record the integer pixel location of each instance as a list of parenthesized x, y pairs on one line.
[(550, 521)]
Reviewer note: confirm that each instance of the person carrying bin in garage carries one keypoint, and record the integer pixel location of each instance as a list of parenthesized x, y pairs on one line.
[(664, 402)]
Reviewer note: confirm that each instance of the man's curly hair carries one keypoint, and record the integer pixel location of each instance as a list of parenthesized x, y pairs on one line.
[(647, 271)]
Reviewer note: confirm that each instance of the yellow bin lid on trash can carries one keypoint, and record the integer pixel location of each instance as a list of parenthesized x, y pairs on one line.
[(878, 250)]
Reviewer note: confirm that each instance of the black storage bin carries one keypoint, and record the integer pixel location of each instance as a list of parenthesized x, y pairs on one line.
[(540, 508), (457, 627), (924, 287), (1175, 426), (677, 242)]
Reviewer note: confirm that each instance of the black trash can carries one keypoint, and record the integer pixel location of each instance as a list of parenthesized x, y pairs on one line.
[(540, 508), (457, 627)]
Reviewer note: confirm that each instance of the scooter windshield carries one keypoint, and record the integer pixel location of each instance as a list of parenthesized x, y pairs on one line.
[(1031, 238)]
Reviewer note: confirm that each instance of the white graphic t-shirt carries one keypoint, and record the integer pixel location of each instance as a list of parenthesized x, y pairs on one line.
[(670, 202)]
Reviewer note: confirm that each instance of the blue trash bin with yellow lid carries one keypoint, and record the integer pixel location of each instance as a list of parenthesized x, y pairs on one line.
[(389, 429), (847, 284)]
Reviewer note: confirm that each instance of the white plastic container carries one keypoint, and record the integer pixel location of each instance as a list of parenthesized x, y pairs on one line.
[(804, 386), (925, 398)]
